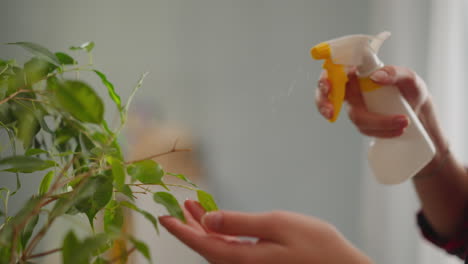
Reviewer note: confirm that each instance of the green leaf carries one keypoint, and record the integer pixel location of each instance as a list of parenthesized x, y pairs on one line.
[(113, 216), (12, 224), (101, 196), (5, 251), (147, 172), (37, 69), (98, 151), (46, 182), (146, 214), (118, 172), (69, 247), (6, 115), (106, 127), (43, 123), (39, 51), (24, 164), (65, 58), (101, 261), (18, 184), (207, 201), (142, 248), (27, 125), (150, 218), (33, 152), (16, 80), (66, 201), (3, 90), (88, 46), (182, 177), (81, 101), (170, 202), (28, 230), (86, 144), (70, 244), (95, 245), (63, 134), (100, 137), (127, 191), (110, 89), (130, 98)]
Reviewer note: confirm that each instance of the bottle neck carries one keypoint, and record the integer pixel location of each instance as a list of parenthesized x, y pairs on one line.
[(370, 63)]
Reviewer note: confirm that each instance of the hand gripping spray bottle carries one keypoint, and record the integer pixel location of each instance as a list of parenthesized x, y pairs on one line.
[(394, 160)]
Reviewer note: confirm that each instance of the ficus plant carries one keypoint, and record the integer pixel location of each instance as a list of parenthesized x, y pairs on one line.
[(56, 129)]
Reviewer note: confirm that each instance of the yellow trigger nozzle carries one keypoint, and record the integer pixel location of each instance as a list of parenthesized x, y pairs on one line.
[(321, 51), (336, 74)]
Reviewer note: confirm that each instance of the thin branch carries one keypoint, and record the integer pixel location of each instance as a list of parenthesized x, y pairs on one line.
[(15, 94), (143, 188), (23, 90), (4, 69), (35, 240), (45, 253), (40, 234), (35, 211), (31, 99), (158, 155), (181, 186), (136, 192), (125, 254), (167, 184), (56, 184), (49, 201)]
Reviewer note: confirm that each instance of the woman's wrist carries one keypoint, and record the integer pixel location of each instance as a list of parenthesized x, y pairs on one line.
[(436, 165), (429, 120)]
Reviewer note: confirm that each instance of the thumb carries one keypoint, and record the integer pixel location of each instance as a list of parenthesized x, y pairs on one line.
[(394, 75), (240, 224), (411, 86)]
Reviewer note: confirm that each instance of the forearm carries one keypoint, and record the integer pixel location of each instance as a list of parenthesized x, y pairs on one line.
[(442, 184)]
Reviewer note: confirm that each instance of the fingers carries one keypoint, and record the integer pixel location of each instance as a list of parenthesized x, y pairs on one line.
[(393, 75), (243, 224), (372, 124), (321, 96), (195, 209), (353, 91), (353, 94), (382, 134), (411, 86), (212, 247), (195, 239), (377, 125), (191, 221), (196, 212)]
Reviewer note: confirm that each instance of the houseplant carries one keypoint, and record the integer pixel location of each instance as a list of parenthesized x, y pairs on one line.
[(56, 128)]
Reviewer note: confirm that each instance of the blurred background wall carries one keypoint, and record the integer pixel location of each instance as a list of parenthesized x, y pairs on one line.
[(237, 77)]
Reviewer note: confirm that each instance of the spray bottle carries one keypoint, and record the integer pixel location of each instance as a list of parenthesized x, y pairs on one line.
[(394, 160)]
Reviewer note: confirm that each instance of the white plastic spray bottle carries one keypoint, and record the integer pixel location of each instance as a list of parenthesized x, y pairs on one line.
[(394, 160)]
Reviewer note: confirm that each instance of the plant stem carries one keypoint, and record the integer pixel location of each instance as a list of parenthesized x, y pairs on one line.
[(30, 99), (49, 201), (120, 257), (167, 184), (41, 233), (181, 186), (45, 228), (157, 155), (23, 90), (15, 94), (143, 188), (4, 69), (45, 253)]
